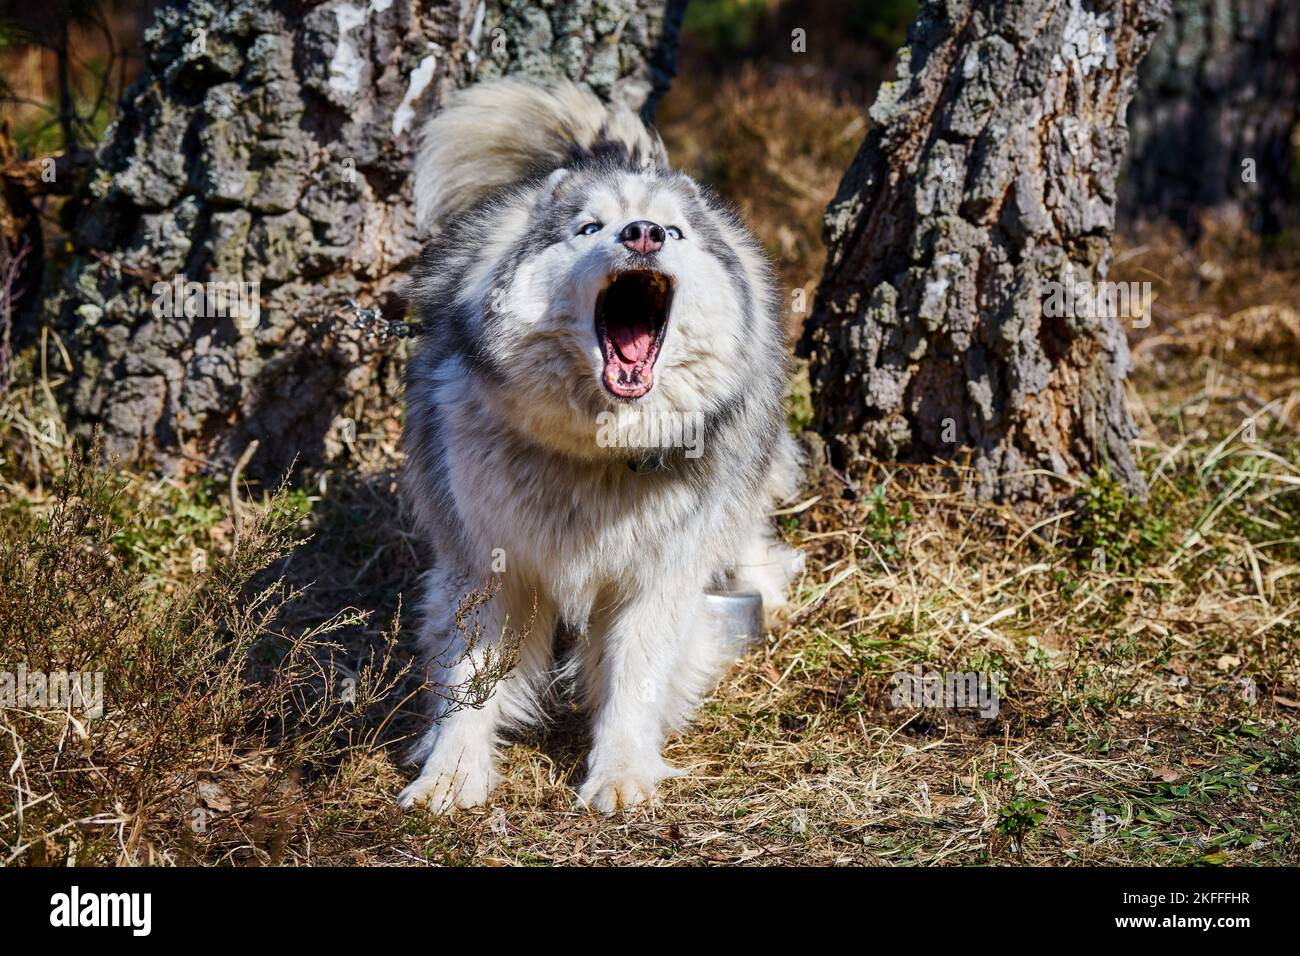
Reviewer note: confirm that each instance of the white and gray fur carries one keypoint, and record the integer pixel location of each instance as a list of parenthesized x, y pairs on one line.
[(503, 466)]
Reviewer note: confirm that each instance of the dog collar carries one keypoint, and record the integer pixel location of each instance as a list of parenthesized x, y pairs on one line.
[(646, 465)]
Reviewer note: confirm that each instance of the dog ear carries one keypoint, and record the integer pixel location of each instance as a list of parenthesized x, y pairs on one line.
[(690, 187), (551, 188)]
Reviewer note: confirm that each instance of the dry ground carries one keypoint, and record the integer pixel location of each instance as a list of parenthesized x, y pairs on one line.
[(260, 689)]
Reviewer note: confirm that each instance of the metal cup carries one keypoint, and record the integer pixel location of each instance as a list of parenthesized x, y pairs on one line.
[(736, 616)]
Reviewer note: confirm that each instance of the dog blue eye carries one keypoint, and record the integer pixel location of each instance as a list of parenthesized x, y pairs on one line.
[(590, 229), (674, 232)]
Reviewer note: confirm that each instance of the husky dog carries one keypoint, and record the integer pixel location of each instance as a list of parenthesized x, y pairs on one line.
[(579, 296)]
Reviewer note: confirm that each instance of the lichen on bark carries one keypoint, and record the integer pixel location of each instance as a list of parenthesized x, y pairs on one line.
[(989, 173)]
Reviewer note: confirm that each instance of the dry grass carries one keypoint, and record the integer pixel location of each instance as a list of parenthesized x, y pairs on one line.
[(214, 714), (1128, 635), (1147, 649)]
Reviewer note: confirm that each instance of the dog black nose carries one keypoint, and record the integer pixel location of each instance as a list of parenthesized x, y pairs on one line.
[(643, 237)]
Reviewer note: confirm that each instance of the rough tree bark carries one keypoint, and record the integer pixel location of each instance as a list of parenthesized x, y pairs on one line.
[(270, 143), (1221, 85), (988, 174)]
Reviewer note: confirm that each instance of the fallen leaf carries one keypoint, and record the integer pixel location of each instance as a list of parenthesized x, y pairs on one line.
[(212, 796), (951, 801)]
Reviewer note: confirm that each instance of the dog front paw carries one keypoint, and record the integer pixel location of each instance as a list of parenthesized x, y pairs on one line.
[(440, 789), (622, 786)]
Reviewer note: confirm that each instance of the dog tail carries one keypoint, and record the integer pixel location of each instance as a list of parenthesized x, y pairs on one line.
[(497, 133)]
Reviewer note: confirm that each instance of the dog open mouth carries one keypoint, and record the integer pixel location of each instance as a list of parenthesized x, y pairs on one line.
[(631, 319)]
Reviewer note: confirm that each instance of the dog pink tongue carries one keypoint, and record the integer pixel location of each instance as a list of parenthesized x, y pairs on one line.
[(633, 341)]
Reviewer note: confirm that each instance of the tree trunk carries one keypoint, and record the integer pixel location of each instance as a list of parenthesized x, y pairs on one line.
[(270, 144), (1220, 88), (988, 175)]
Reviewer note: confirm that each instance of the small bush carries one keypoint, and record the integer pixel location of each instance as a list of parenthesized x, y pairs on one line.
[(216, 721), (1113, 525)]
